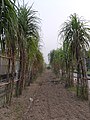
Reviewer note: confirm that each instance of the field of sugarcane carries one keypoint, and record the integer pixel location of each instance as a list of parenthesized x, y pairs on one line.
[(20, 57), (71, 62)]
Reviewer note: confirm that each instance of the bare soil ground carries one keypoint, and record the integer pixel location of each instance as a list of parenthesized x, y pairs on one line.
[(46, 99)]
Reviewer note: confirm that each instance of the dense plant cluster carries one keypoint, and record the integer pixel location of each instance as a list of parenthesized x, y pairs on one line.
[(72, 57), (20, 40)]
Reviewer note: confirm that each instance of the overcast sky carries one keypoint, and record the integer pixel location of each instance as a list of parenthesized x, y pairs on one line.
[(53, 14)]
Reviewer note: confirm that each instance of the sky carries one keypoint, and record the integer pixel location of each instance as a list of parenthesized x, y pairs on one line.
[(53, 13)]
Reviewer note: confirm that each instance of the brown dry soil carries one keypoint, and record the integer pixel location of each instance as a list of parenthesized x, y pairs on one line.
[(51, 101)]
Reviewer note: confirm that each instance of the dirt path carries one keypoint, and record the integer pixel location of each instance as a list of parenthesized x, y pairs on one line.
[(53, 102), (46, 99)]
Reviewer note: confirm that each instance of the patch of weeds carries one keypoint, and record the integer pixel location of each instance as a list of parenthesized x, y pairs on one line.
[(72, 89)]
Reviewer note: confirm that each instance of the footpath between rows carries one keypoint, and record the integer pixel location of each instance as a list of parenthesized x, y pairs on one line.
[(46, 99), (54, 102)]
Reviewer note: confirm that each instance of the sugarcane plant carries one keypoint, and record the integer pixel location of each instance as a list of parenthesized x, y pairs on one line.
[(19, 41)]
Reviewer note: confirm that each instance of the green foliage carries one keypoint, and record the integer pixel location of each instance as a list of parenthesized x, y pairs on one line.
[(75, 34), (20, 38), (76, 37), (56, 58)]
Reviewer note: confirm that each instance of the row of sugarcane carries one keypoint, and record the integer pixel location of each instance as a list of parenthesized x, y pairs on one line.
[(20, 40), (73, 55)]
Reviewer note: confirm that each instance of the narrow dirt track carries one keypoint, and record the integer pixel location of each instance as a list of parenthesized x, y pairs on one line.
[(53, 102)]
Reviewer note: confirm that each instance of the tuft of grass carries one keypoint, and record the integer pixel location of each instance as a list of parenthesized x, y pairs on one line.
[(72, 89)]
